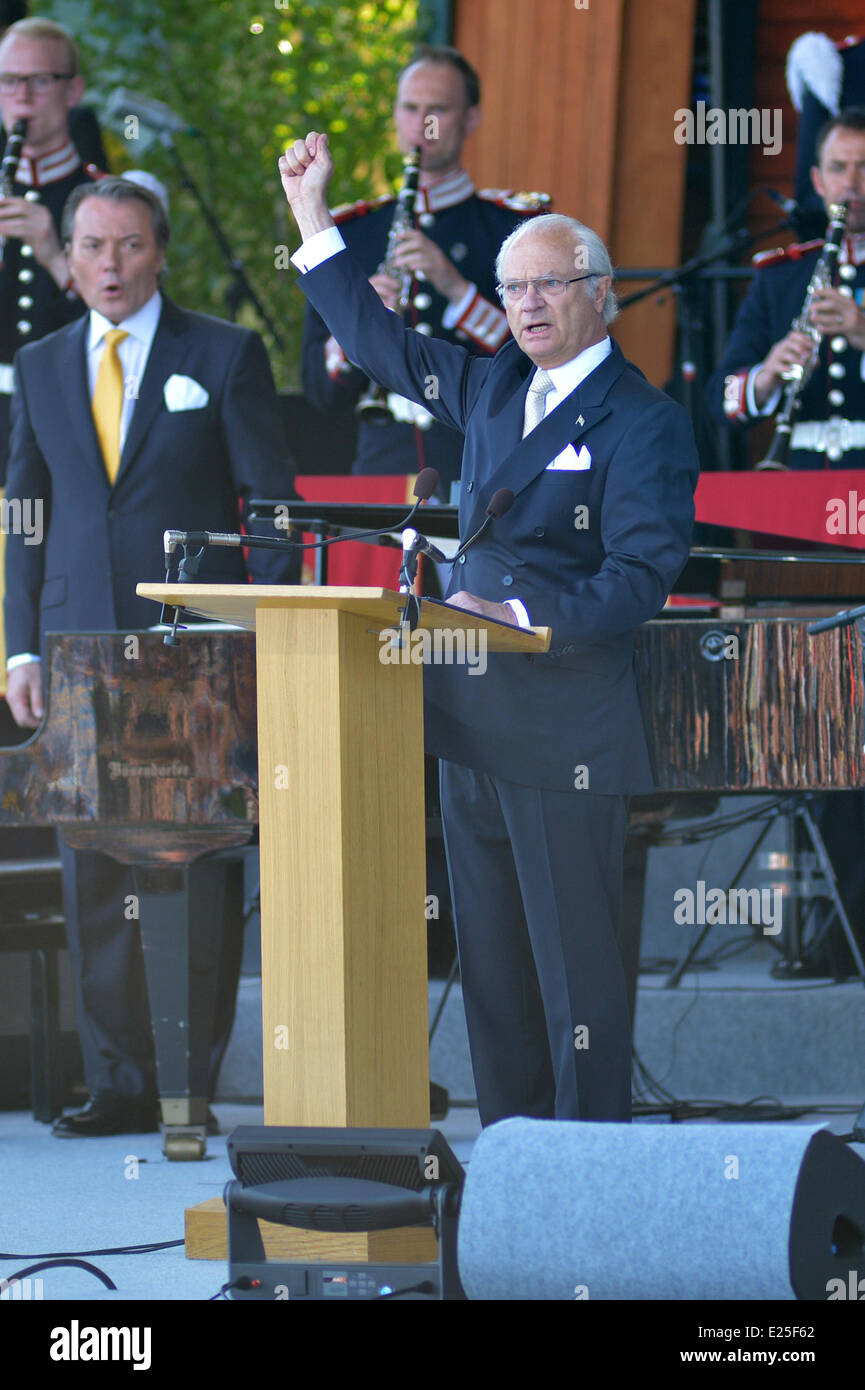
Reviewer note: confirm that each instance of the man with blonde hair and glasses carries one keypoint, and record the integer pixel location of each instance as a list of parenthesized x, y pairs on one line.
[(40, 83), (540, 754)]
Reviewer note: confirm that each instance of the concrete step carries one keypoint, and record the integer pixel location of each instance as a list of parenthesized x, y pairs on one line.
[(727, 1034)]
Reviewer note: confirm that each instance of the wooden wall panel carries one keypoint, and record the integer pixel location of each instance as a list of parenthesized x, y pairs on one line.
[(649, 183), (550, 77), (579, 103)]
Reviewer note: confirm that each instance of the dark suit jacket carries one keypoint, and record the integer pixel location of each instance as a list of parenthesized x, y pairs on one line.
[(182, 469), (534, 720)]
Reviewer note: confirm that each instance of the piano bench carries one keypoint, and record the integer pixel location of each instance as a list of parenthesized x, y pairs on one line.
[(31, 920)]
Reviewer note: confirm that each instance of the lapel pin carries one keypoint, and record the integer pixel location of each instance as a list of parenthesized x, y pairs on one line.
[(580, 420)]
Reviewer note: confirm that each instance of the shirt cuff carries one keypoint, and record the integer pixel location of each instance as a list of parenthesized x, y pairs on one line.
[(519, 611), (20, 660), (770, 405), (454, 312), (317, 249)]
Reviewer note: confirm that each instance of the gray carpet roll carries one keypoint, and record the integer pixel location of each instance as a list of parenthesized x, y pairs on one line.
[(565, 1210)]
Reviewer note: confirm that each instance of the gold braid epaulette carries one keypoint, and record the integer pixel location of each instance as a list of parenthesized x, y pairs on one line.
[(346, 211), (516, 202)]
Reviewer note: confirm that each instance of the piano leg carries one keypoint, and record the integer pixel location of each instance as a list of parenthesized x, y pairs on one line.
[(183, 912), (631, 920), (45, 1072)]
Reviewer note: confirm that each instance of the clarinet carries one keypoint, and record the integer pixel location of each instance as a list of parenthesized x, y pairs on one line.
[(12, 158), (797, 376), (373, 405)]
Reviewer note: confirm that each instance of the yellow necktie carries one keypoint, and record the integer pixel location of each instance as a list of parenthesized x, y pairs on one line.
[(108, 401)]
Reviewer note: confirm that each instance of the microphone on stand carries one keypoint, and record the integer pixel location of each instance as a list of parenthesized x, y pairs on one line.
[(425, 485), (789, 205), (798, 217), (155, 115), (414, 544)]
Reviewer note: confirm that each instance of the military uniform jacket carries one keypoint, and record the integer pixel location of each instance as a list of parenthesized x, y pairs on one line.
[(830, 425), (31, 302), (469, 227)]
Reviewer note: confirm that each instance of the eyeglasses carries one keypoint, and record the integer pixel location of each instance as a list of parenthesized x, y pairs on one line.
[(546, 286), (34, 81)]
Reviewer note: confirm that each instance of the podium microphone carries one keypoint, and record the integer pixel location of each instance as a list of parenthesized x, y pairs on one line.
[(425, 485), (499, 503)]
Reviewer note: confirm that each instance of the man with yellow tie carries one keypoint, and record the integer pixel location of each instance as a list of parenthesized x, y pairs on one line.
[(138, 418)]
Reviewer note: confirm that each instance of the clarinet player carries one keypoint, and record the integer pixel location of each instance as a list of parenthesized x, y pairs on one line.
[(447, 256), (829, 431)]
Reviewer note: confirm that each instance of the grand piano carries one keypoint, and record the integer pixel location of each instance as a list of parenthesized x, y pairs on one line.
[(148, 752)]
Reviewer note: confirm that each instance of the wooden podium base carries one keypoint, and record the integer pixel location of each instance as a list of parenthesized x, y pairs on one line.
[(207, 1239), (343, 878)]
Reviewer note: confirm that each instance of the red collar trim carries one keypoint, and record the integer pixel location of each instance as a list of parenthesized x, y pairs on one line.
[(48, 168), (452, 190)]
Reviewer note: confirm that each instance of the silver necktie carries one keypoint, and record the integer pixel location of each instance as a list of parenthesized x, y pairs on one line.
[(542, 385)]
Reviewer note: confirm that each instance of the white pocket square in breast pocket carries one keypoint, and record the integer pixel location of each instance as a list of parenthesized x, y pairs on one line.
[(184, 393), (569, 461)]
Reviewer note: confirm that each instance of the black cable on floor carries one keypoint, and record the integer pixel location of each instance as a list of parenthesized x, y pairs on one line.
[(109, 1250), (59, 1264)]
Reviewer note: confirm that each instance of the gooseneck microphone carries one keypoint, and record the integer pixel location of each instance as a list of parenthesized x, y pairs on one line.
[(499, 503), (425, 485)]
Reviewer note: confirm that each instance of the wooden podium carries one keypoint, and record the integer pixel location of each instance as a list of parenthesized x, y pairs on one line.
[(342, 848)]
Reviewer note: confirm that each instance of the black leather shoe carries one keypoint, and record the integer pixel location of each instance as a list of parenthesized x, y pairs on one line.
[(439, 1102), (106, 1114)]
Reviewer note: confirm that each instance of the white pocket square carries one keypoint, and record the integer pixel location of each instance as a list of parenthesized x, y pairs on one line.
[(184, 393), (571, 461)]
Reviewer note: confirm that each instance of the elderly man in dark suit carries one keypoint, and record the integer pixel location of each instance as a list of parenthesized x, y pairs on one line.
[(540, 753), (137, 418)]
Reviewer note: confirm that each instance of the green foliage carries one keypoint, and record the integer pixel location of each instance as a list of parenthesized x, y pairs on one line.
[(248, 77)]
